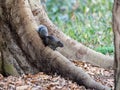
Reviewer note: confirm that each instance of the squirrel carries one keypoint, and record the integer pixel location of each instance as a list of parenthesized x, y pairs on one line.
[(48, 40)]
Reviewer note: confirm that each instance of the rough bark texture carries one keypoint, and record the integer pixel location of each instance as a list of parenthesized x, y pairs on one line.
[(116, 30), (13, 59), (22, 50), (76, 50)]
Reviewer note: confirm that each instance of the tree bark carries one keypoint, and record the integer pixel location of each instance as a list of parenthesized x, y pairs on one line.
[(22, 50), (76, 50), (116, 30)]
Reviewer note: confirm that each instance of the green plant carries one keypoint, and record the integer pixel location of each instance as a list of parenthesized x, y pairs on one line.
[(89, 24)]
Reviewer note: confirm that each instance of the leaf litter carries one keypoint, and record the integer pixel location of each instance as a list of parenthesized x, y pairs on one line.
[(42, 81)]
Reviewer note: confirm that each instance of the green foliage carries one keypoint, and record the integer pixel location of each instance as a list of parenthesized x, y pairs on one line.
[(90, 23), (105, 50)]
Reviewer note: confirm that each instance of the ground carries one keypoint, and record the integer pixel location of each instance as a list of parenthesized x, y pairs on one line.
[(41, 81)]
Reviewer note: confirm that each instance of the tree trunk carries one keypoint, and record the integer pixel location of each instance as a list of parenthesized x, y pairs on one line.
[(22, 50), (116, 30), (76, 50)]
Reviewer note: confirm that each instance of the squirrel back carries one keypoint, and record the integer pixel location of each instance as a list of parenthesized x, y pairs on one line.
[(43, 31)]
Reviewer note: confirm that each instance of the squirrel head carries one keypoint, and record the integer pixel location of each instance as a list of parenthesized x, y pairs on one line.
[(60, 44)]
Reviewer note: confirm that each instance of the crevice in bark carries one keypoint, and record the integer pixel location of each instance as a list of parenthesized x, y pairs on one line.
[(13, 47), (18, 41), (2, 65)]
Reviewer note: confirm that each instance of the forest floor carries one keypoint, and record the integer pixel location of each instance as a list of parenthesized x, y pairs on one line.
[(42, 81)]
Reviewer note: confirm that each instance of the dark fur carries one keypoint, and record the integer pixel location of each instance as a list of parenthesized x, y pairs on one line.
[(49, 40)]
